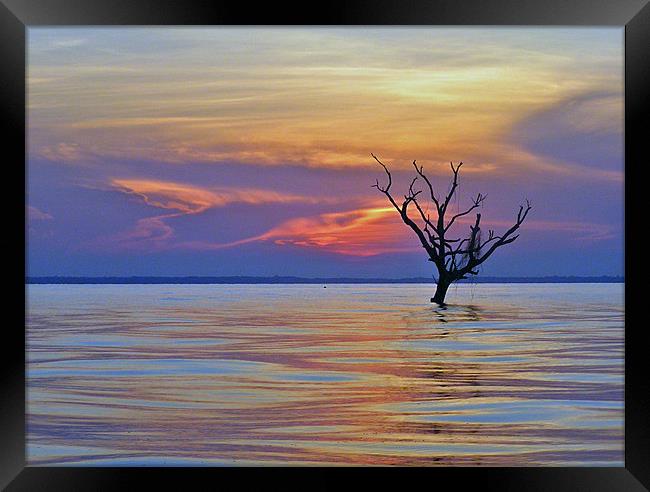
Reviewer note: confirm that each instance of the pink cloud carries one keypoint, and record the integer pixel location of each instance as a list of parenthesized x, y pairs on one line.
[(370, 229), (377, 230), (184, 199)]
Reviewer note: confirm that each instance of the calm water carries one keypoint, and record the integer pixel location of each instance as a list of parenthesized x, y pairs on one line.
[(517, 374)]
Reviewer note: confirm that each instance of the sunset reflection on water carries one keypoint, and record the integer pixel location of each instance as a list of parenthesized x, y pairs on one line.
[(517, 374)]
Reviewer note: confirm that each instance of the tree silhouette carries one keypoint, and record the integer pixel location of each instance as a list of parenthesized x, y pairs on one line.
[(454, 258)]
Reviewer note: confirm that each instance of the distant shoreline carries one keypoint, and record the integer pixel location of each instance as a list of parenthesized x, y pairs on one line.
[(315, 280)]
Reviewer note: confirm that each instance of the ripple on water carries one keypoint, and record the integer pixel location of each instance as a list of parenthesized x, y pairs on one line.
[(139, 375)]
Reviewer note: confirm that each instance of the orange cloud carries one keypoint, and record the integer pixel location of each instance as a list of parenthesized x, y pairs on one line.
[(183, 199), (371, 229), (360, 232), (379, 230), (363, 232), (322, 98), (189, 199)]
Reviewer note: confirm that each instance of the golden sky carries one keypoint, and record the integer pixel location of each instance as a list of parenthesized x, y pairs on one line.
[(315, 97), (167, 132)]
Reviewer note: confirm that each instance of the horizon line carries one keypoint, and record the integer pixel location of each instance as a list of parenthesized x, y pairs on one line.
[(289, 279)]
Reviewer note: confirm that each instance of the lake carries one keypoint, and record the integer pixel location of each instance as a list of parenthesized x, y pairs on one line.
[(361, 374)]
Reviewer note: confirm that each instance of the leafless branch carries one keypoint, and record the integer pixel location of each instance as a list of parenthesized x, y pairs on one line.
[(480, 198), (434, 198), (454, 185), (454, 258)]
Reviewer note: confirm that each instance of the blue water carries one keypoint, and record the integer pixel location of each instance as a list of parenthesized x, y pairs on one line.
[(213, 375)]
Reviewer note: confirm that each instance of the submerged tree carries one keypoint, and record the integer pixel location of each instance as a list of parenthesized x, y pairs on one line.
[(454, 258)]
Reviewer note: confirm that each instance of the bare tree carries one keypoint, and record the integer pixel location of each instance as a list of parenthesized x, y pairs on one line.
[(455, 259)]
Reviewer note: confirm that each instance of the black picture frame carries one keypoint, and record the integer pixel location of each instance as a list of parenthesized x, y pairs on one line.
[(18, 15)]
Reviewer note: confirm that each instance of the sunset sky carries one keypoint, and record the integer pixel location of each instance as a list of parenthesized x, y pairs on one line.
[(246, 151)]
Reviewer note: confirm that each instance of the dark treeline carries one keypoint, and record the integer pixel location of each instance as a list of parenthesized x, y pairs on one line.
[(318, 280)]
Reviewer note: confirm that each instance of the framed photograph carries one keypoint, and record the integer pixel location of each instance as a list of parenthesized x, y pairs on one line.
[(360, 237)]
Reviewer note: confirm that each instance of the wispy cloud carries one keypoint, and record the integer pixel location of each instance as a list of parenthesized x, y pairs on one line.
[(34, 213), (185, 199), (319, 97), (361, 232), (65, 153), (56, 43), (379, 230), (195, 132), (191, 199)]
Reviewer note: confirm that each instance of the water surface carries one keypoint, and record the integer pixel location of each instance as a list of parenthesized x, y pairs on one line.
[(509, 374)]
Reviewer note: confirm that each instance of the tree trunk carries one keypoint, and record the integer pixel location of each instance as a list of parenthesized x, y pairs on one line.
[(441, 291)]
